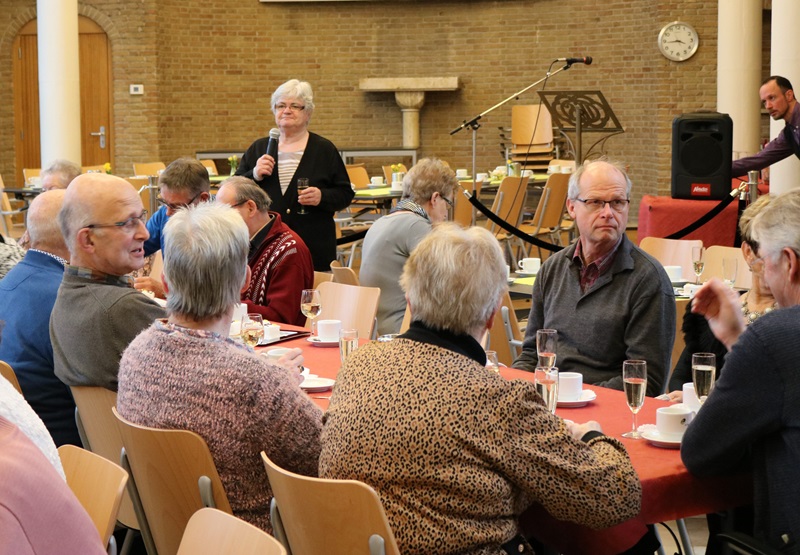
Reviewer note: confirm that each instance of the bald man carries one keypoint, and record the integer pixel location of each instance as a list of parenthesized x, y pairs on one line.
[(27, 295), (97, 311)]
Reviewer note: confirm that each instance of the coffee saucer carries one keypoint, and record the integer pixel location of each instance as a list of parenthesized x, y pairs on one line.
[(526, 274), (316, 385), (319, 342), (679, 284), (659, 440), (587, 396)]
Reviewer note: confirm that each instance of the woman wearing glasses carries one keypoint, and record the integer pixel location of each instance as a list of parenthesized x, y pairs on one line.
[(301, 155)]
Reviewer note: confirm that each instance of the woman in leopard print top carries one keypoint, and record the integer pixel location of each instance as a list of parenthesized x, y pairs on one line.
[(455, 452)]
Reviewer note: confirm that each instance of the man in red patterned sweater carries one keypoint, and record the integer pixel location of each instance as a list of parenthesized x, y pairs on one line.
[(279, 260)]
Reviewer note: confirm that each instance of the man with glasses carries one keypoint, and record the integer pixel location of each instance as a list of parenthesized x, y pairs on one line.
[(608, 299), (97, 311)]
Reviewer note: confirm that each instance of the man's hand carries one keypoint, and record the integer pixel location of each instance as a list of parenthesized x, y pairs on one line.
[(292, 360), (264, 167), (577, 431), (720, 305), (149, 284)]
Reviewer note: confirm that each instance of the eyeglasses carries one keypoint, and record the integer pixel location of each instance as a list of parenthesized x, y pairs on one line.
[(595, 204), (241, 202), (291, 107), (449, 202), (177, 206), (128, 226), (757, 265)]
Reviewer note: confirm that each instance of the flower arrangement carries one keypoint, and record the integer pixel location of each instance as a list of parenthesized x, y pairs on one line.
[(397, 168), (107, 167), (234, 162)]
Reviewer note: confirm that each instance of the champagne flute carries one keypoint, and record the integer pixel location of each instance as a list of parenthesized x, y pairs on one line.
[(252, 329), (634, 380), (704, 369), (302, 185), (546, 347), (729, 267), (697, 262), (492, 363), (546, 382), (311, 306), (348, 342)]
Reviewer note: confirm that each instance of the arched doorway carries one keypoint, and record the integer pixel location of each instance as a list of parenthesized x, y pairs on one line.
[(95, 86)]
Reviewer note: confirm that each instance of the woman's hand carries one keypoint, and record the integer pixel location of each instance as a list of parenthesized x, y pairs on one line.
[(147, 283), (264, 167), (721, 306), (309, 197), (675, 396)]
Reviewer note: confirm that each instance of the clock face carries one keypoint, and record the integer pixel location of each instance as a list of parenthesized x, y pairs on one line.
[(678, 41)]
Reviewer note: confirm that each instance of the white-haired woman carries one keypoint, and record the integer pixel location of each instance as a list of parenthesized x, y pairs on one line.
[(301, 154), (456, 452), (185, 373)]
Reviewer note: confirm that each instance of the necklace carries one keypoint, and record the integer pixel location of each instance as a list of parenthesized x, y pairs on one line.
[(751, 316)]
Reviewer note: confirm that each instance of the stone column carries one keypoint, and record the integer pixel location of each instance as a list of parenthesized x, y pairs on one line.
[(410, 104)]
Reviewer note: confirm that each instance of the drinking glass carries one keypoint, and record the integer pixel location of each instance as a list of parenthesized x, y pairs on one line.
[(546, 347), (302, 185), (310, 306), (348, 342), (491, 362), (729, 267), (697, 262), (704, 369), (252, 329), (546, 381), (634, 380)]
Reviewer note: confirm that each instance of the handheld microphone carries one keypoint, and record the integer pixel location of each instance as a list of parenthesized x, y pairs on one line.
[(272, 144), (586, 60)]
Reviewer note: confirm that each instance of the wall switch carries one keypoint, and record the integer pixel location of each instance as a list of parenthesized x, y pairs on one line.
[(137, 89)]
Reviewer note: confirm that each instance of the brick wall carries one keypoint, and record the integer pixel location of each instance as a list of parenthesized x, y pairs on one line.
[(210, 66)]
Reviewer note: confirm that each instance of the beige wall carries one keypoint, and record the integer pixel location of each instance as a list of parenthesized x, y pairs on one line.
[(209, 66)]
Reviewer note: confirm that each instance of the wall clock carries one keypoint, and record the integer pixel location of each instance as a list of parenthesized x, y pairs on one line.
[(678, 41)]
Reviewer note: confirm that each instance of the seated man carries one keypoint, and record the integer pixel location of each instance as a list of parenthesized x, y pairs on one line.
[(752, 416), (59, 174), (185, 372), (608, 299), (97, 311), (27, 295), (183, 183), (279, 260), (455, 452)]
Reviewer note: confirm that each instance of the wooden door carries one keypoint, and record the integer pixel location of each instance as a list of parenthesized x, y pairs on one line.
[(95, 96)]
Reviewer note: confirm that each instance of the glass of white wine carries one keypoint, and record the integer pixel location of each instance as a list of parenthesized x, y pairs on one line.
[(697, 262), (348, 342), (546, 347), (634, 381), (311, 306), (546, 381), (252, 329), (492, 363), (704, 369)]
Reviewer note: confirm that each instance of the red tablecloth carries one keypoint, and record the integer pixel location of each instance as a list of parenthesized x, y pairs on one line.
[(662, 216), (668, 490)]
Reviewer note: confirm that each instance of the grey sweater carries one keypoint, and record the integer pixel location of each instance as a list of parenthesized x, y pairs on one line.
[(628, 313)]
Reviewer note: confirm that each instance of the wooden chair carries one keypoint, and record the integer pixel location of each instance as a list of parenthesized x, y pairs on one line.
[(508, 204), (8, 212), (713, 258), (213, 532), (315, 516), (8, 373), (320, 277), (344, 275), (406, 323), (97, 483), (355, 306), (463, 213), (358, 175), (30, 175), (210, 165), (507, 340), (174, 475), (672, 252), (148, 168), (100, 433), (549, 213)]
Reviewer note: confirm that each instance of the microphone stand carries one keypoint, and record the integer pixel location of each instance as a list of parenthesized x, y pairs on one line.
[(474, 125)]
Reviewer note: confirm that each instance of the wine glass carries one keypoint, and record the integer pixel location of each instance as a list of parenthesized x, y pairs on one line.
[(302, 185), (348, 342), (704, 369), (310, 306), (729, 267), (634, 381), (492, 363), (546, 347), (252, 329), (546, 382), (697, 262)]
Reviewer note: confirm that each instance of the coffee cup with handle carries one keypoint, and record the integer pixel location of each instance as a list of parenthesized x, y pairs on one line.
[(328, 330), (570, 386), (672, 421), (530, 265)]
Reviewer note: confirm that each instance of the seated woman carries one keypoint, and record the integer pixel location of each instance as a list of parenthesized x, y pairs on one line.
[(428, 191), (186, 373), (455, 451)]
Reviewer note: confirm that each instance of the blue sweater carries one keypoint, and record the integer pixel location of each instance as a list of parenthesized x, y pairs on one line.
[(155, 225), (27, 295)]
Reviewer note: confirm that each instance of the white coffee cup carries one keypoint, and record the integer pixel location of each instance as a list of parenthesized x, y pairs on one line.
[(461, 172), (376, 181), (570, 386), (690, 397), (530, 265), (272, 331), (690, 289), (508, 271), (328, 330), (527, 173), (672, 421), (275, 354), (483, 177), (566, 169), (554, 168), (675, 273)]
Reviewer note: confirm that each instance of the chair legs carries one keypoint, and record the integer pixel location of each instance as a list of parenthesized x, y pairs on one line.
[(277, 526)]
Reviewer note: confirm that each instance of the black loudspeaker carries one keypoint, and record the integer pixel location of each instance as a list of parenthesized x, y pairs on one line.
[(701, 156)]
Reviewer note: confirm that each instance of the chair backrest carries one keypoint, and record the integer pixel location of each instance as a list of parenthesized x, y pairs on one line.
[(168, 468), (500, 335), (358, 175), (213, 532), (672, 252), (148, 168), (97, 483), (713, 258), (320, 277), (550, 210), (329, 517), (8, 373), (527, 118), (210, 165), (387, 172), (138, 183), (30, 175), (462, 211), (509, 201), (355, 306), (344, 275), (406, 323)]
